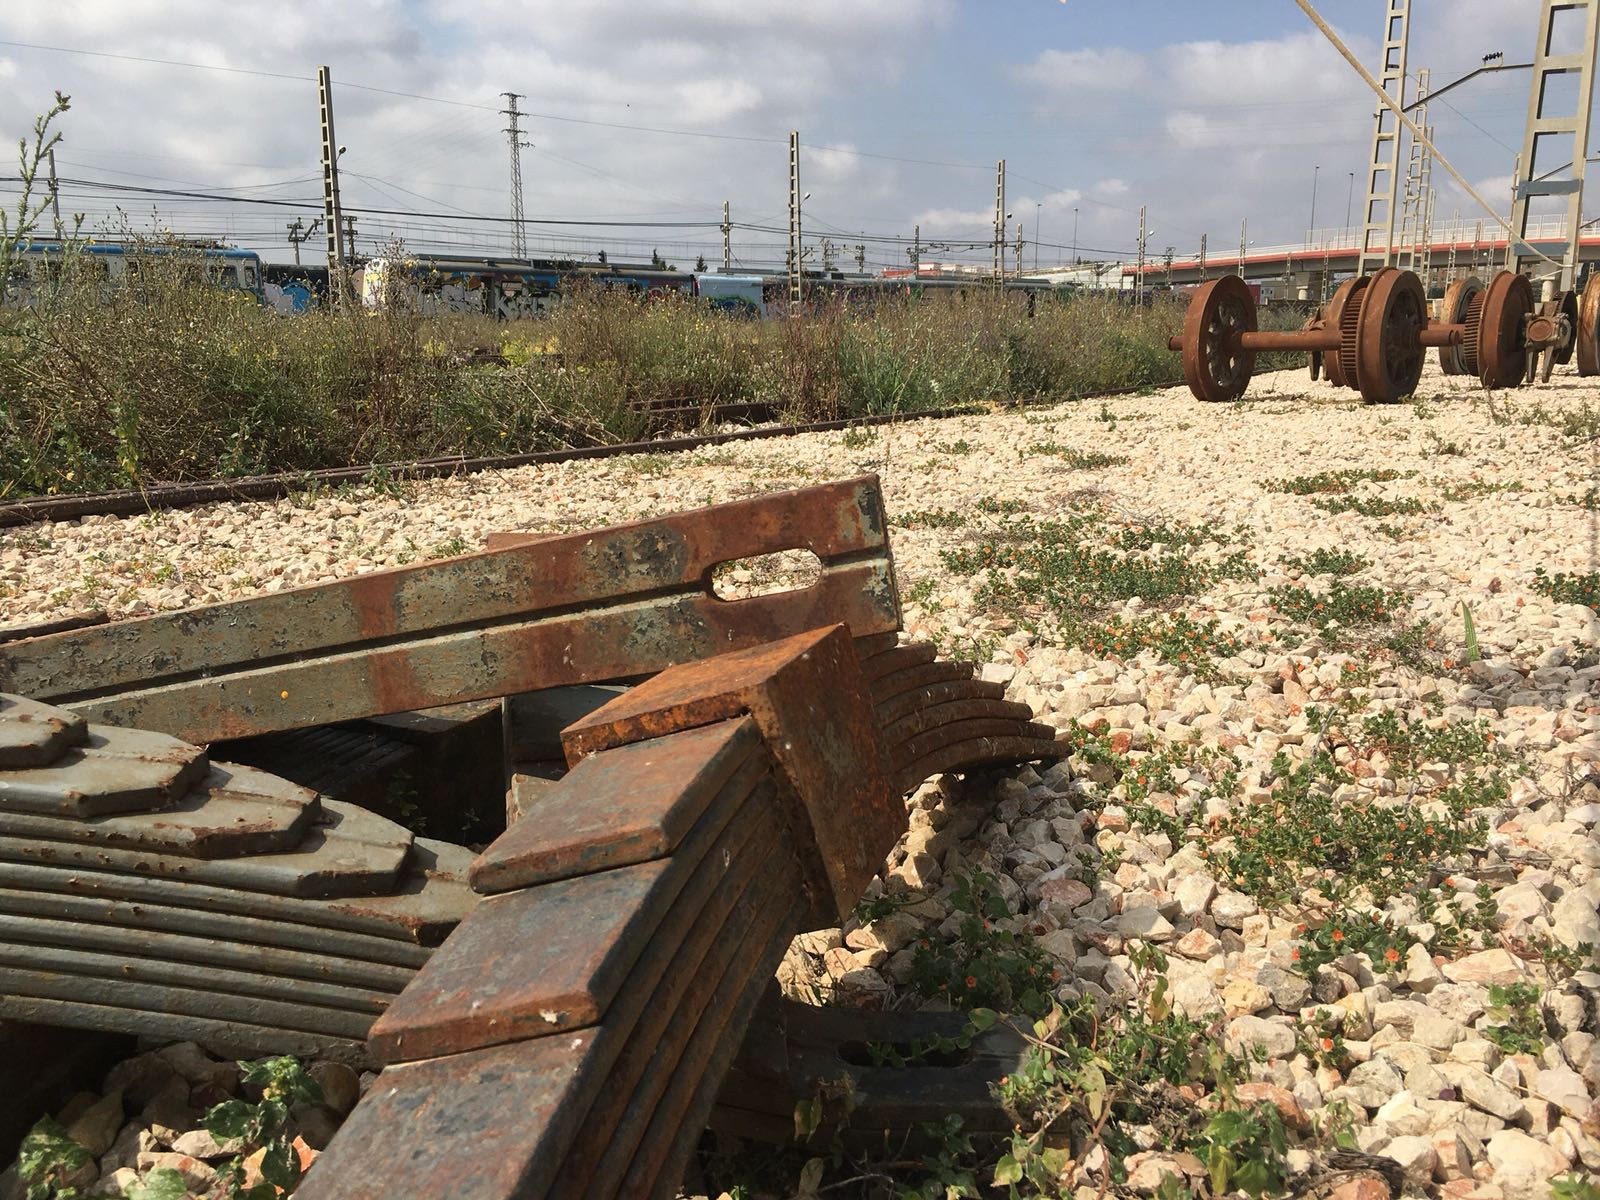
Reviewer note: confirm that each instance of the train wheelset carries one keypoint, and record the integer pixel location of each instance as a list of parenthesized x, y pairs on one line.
[(1374, 333)]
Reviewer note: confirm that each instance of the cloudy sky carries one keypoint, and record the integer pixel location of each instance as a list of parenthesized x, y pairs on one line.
[(645, 115)]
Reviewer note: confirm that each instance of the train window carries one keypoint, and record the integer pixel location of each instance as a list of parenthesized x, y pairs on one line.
[(251, 279)]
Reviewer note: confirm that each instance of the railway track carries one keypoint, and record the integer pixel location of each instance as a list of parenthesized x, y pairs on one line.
[(134, 501)]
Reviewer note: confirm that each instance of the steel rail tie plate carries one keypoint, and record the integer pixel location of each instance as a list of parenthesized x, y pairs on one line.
[(235, 811), (73, 927), (896, 707), (349, 851), (673, 980), (466, 1126), (113, 967), (977, 752), (429, 899), (34, 734), (683, 1109), (195, 1001), (958, 732), (549, 958), (634, 805), (932, 715), (225, 1036), (110, 771)]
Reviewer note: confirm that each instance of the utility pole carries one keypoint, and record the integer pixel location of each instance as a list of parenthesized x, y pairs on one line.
[(332, 214), (1244, 226), (827, 256), (1018, 255), (513, 131), (861, 258), (1138, 271), (916, 251), (727, 239), (299, 232), (1202, 258), (350, 238), (1000, 220), (794, 221)]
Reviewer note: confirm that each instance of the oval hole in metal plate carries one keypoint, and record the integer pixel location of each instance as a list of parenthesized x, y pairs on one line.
[(765, 574)]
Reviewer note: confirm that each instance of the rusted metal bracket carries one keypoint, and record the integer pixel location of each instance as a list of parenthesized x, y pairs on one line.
[(613, 603), (807, 698)]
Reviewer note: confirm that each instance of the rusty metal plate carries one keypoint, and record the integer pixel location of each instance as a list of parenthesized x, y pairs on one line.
[(680, 1112), (766, 889), (235, 811), (221, 1036), (429, 900), (806, 696), (672, 982), (470, 1126), (112, 771), (607, 604), (70, 924), (870, 645), (192, 1000), (960, 732), (976, 752), (921, 675), (631, 805), (900, 657), (102, 974), (903, 705), (932, 715), (34, 734), (348, 851), (553, 957)]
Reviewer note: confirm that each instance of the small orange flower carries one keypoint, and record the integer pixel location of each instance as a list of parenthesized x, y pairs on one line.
[(1327, 1043), (1338, 935), (1400, 825), (972, 981), (1450, 881), (1391, 955), (1295, 954)]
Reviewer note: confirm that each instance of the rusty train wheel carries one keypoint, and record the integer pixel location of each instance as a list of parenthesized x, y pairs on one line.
[(1345, 306), (1502, 336), (1569, 307), (1587, 333), (1214, 365), (1454, 310), (1389, 353)]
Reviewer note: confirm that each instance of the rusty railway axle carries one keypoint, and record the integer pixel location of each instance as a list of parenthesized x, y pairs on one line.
[(1374, 333)]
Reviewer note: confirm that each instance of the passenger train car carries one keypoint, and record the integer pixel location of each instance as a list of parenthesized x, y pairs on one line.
[(118, 263)]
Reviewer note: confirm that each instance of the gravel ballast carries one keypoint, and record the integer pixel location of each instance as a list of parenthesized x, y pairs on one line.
[(1501, 487)]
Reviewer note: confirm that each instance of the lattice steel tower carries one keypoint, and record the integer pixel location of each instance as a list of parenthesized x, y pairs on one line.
[(1383, 178), (513, 131), (1549, 135)]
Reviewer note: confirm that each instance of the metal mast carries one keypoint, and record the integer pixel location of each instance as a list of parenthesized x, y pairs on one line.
[(1544, 129), (795, 248), (1418, 173), (513, 131), (332, 214), (1000, 221), (1383, 181)]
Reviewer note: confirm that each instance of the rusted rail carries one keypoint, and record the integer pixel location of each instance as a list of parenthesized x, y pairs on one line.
[(164, 496)]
